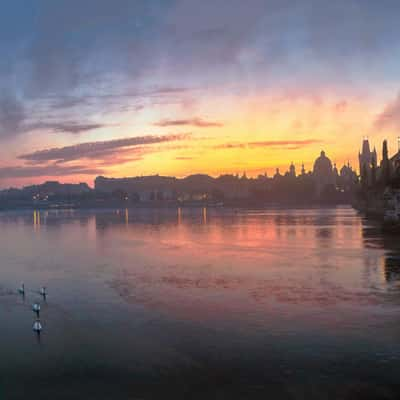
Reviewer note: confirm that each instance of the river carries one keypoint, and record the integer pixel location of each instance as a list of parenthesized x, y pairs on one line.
[(200, 304)]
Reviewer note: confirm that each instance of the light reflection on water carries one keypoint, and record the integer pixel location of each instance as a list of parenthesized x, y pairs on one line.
[(298, 303)]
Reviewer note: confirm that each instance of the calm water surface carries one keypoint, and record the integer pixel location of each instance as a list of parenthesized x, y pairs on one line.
[(202, 304)]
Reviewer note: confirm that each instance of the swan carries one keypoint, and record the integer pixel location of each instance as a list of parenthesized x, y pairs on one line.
[(36, 308), (37, 326), (21, 290)]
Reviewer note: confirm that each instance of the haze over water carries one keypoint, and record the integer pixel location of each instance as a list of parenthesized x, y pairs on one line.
[(203, 303)]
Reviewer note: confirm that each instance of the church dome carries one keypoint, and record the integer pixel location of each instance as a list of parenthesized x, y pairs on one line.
[(322, 165)]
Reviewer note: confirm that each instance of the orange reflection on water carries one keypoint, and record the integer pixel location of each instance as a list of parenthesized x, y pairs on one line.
[(207, 264), (36, 220), (211, 264)]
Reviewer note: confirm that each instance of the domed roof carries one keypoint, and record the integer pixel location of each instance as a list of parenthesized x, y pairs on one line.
[(322, 164)]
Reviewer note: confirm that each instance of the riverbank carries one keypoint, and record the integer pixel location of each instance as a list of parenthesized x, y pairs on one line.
[(118, 204)]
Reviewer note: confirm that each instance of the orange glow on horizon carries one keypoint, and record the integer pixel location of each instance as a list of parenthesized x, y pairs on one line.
[(253, 134)]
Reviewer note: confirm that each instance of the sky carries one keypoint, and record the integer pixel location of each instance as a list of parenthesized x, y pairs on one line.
[(176, 87)]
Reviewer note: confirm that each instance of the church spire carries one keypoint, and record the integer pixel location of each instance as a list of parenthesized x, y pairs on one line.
[(292, 170)]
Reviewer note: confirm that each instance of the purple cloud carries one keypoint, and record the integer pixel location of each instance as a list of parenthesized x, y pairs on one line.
[(66, 127), (47, 170), (197, 122), (389, 118), (97, 149)]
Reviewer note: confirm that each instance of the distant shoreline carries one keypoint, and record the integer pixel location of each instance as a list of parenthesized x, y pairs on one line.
[(174, 205)]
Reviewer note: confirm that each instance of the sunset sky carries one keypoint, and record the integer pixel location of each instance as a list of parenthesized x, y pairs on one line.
[(175, 87)]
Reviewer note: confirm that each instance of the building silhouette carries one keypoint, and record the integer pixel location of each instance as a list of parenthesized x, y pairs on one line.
[(366, 157), (323, 174), (323, 184)]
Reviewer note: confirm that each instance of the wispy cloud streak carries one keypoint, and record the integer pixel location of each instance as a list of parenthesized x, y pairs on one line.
[(97, 149), (291, 144), (66, 127), (197, 122), (47, 170)]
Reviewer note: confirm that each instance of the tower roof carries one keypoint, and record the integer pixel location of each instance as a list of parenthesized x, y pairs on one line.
[(365, 147)]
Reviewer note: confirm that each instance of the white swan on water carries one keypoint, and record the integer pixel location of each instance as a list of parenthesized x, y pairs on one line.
[(37, 326), (36, 308)]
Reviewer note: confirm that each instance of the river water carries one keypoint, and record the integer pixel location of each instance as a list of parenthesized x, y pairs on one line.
[(199, 304)]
